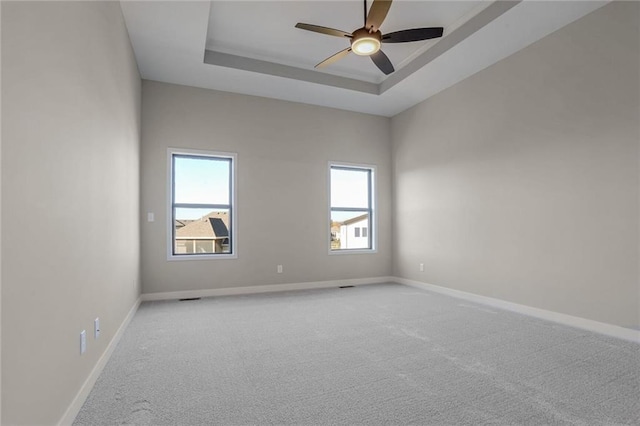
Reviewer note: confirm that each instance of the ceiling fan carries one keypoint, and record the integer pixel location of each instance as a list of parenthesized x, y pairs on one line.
[(366, 41)]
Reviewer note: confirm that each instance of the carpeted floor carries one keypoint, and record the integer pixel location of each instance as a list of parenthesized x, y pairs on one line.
[(378, 354)]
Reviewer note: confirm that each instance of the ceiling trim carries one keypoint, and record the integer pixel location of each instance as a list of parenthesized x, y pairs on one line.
[(221, 59)]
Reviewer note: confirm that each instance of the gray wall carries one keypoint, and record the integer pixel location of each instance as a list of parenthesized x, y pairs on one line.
[(70, 197), (521, 182), (283, 153)]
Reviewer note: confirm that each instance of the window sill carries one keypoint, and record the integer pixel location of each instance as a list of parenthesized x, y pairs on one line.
[(352, 251), (172, 258)]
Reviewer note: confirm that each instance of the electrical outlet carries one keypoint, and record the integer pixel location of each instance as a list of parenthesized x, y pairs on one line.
[(83, 342), (151, 217), (279, 269), (96, 328), (422, 267)]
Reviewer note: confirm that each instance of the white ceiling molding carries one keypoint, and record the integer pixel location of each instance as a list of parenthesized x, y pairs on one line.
[(271, 68)]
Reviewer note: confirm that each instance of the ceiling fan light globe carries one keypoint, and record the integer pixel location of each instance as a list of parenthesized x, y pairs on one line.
[(365, 46)]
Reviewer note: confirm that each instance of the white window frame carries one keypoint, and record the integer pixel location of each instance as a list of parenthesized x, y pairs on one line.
[(233, 232), (373, 220)]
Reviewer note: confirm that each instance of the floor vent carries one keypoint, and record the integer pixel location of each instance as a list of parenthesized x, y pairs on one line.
[(346, 286), (189, 298)]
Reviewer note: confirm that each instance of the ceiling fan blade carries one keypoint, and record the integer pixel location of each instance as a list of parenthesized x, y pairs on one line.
[(414, 34), (382, 62), (377, 13), (333, 58), (323, 30)]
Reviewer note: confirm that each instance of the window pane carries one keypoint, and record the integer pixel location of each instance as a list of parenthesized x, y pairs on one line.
[(343, 230), (202, 231), (201, 180), (349, 188)]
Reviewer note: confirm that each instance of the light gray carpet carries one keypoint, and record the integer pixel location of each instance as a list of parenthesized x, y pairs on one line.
[(379, 354)]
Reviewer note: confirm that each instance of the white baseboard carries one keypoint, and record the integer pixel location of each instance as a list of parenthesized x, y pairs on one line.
[(577, 322), (73, 409), (232, 291)]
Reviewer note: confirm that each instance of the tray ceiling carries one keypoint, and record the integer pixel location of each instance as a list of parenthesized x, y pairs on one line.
[(252, 47)]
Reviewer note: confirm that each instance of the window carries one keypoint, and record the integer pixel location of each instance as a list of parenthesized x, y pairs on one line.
[(351, 209), (202, 213)]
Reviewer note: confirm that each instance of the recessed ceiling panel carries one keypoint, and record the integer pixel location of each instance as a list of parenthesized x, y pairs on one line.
[(266, 30)]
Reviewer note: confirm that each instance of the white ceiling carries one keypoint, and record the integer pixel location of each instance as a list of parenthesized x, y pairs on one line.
[(279, 41), (252, 47)]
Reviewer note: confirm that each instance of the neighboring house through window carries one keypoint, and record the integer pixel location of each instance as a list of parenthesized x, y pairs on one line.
[(202, 209), (352, 207)]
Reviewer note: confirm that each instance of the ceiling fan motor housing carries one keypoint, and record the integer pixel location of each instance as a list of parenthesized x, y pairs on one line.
[(365, 43)]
